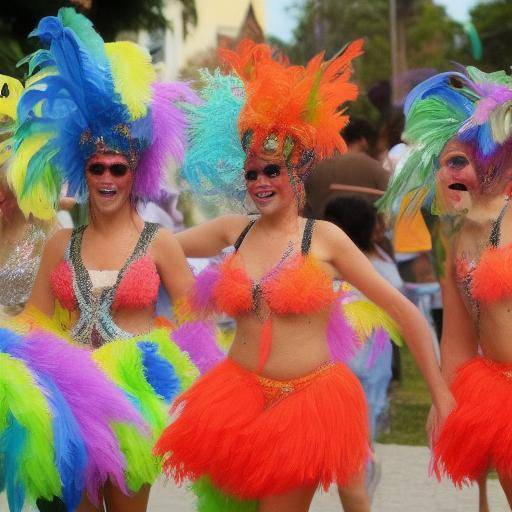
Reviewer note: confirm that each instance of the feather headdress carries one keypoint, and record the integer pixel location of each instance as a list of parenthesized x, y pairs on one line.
[(266, 106), (10, 92), (474, 107), (82, 97)]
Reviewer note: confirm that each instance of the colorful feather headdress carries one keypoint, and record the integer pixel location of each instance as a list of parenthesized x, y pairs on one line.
[(10, 92), (85, 96), (474, 107), (266, 107)]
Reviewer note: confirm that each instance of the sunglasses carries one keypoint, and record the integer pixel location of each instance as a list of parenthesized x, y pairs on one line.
[(116, 170), (270, 171)]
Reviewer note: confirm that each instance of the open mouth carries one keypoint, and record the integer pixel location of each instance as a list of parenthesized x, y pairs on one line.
[(265, 195), (107, 192), (458, 186)]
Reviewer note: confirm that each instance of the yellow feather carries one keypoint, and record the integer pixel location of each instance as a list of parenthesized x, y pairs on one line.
[(11, 92), (366, 317), (133, 75), (35, 202)]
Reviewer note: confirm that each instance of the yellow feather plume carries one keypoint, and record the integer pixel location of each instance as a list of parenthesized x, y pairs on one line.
[(366, 317), (133, 75), (11, 90), (37, 201)]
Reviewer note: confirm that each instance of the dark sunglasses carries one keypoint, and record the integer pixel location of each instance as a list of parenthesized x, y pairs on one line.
[(270, 171), (116, 170)]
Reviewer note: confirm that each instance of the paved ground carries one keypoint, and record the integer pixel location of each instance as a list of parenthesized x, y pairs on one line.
[(404, 487)]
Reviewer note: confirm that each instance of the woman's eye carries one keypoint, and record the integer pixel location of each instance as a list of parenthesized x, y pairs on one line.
[(457, 162)]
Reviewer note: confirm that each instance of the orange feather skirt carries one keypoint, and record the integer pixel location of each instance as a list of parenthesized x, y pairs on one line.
[(477, 435), (255, 437)]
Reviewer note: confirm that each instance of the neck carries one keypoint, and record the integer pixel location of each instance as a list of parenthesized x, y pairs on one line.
[(486, 207), (115, 222), (13, 223), (283, 221)]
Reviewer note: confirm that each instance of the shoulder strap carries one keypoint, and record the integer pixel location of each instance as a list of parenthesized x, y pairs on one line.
[(147, 235), (307, 236), (243, 234), (495, 236)]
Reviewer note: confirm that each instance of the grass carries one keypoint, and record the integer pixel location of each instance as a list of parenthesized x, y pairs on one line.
[(409, 406)]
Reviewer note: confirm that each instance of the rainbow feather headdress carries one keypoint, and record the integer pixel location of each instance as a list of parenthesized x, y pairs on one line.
[(266, 106), (474, 107), (85, 96)]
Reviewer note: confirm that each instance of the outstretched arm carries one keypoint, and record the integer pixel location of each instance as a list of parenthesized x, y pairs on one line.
[(354, 267), (208, 239)]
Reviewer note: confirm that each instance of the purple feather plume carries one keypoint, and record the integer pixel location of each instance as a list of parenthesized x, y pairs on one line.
[(380, 343), (342, 340), (198, 339), (203, 289), (169, 126), (93, 399)]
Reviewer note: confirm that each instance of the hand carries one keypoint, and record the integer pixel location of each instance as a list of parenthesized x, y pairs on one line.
[(437, 416)]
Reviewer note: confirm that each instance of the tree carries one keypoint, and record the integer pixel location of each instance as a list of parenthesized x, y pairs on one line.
[(18, 19), (493, 21), (432, 38)]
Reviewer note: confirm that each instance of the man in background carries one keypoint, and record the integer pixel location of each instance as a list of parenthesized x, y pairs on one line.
[(355, 172)]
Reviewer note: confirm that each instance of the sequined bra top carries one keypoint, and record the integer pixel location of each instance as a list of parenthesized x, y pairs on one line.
[(136, 287), (297, 285), (489, 280), (18, 271)]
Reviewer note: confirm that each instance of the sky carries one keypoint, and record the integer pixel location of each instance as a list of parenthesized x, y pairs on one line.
[(281, 22)]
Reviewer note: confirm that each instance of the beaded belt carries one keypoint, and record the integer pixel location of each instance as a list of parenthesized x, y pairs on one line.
[(276, 390)]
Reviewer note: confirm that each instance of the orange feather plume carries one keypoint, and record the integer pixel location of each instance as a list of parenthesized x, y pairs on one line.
[(301, 107)]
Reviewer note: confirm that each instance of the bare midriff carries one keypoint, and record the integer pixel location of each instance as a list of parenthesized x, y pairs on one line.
[(299, 344)]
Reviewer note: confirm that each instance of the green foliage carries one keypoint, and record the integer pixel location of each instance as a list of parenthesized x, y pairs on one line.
[(18, 19), (433, 39), (493, 21)]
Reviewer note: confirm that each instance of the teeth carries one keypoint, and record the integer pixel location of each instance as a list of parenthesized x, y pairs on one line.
[(264, 194)]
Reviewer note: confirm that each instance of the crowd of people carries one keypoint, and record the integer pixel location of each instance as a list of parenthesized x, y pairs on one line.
[(340, 242)]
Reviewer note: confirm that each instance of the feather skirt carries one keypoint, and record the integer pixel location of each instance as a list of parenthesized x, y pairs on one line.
[(477, 435), (252, 436)]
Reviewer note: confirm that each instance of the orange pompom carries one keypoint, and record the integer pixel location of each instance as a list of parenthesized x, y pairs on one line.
[(492, 278)]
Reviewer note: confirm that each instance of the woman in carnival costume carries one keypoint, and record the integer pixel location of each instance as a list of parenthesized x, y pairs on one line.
[(93, 117), (459, 128), (281, 415)]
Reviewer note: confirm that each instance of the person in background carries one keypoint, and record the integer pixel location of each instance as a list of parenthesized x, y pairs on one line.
[(21, 243), (359, 220), (356, 170)]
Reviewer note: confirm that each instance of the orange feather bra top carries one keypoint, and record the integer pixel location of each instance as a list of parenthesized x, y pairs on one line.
[(297, 285), (489, 280)]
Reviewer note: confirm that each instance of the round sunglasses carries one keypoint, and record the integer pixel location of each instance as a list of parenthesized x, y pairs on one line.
[(270, 171), (117, 170)]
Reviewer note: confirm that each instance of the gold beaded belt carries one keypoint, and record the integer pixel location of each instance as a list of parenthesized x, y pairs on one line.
[(276, 390)]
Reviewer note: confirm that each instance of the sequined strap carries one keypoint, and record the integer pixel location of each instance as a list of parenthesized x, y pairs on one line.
[(243, 234), (495, 236), (307, 236)]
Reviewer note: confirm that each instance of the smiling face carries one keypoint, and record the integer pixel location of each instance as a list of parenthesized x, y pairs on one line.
[(457, 176), (110, 181), (269, 184)]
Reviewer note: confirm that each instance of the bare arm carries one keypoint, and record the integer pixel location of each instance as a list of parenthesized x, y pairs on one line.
[(208, 239), (41, 296), (172, 265), (459, 341), (355, 267)]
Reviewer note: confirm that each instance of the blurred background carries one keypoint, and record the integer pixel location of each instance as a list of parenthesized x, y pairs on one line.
[(406, 40)]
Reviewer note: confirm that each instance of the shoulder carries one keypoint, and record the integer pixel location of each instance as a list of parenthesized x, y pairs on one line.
[(231, 226), (58, 242)]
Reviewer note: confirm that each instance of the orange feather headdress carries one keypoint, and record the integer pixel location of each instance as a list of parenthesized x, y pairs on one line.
[(293, 111)]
